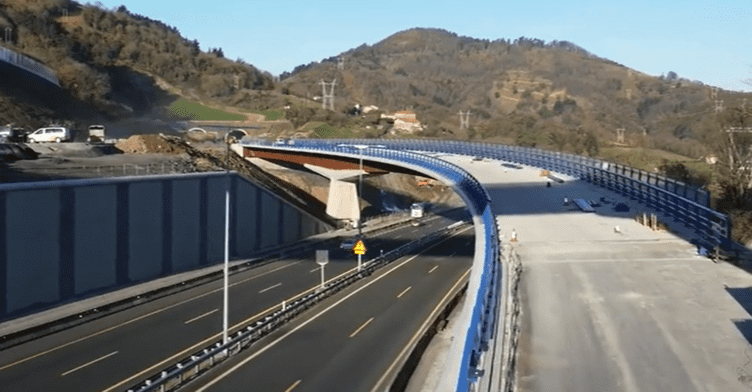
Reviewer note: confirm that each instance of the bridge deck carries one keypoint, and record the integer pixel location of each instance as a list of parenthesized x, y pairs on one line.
[(630, 311)]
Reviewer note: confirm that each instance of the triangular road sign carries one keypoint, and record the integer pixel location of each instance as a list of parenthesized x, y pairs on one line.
[(359, 248)]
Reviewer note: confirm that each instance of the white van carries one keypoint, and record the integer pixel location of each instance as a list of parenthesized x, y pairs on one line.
[(49, 134)]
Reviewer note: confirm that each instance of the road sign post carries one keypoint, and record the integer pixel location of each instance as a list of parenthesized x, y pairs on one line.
[(322, 258), (359, 249)]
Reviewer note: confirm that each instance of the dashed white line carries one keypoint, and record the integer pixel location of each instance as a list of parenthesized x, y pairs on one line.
[(270, 287), (314, 270), (433, 269), (295, 384), (89, 363), (361, 327), (201, 316), (404, 291)]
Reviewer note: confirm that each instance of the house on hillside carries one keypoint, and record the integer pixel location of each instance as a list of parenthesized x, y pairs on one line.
[(405, 121)]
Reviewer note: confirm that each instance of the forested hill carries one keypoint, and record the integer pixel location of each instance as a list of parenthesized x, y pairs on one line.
[(109, 62), (523, 91)]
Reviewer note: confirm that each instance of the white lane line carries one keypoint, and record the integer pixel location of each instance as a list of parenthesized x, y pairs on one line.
[(404, 291), (269, 288), (295, 384), (433, 269), (417, 335), (87, 337), (217, 335), (312, 319), (361, 327), (89, 363), (314, 270), (201, 316)]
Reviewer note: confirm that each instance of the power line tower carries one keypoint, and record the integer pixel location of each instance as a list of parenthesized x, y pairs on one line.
[(327, 99), (718, 102), (340, 63), (464, 120), (620, 135), (718, 105)]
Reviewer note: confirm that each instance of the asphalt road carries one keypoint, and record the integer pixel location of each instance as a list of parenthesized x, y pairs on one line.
[(352, 341), (115, 351)]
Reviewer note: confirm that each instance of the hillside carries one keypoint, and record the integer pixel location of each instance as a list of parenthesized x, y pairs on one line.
[(524, 92), (114, 67)]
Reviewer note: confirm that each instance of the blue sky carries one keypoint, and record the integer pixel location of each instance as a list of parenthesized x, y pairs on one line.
[(709, 41)]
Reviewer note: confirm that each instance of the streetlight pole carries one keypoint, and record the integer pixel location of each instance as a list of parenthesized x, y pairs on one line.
[(226, 299), (227, 261), (360, 147)]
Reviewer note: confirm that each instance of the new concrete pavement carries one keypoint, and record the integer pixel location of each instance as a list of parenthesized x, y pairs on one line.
[(633, 310), (115, 351)]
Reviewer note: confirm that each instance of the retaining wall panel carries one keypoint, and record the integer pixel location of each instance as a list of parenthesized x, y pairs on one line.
[(95, 237), (216, 219), (247, 227), (33, 248), (145, 230), (186, 235), (270, 219)]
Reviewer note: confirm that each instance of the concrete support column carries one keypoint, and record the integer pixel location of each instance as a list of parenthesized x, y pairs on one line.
[(343, 201)]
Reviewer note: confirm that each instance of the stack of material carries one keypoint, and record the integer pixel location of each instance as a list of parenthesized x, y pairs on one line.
[(148, 144)]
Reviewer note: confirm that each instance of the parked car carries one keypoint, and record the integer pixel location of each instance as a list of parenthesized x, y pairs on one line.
[(10, 134), (50, 134)]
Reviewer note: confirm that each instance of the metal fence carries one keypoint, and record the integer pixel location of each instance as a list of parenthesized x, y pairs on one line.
[(128, 169), (686, 203), (33, 66)]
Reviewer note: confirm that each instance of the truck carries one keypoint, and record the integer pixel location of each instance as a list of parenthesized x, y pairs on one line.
[(96, 134)]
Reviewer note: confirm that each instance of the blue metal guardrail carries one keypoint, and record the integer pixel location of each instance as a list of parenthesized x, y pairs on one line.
[(687, 204), (481, 315)]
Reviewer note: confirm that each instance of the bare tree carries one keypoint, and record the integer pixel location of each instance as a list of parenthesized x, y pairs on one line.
[(733, 146)]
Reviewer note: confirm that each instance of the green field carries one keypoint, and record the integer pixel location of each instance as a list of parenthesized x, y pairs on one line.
[(196, 111)]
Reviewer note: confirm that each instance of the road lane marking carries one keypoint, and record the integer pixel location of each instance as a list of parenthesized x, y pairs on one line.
[(310, 320), (295, 384), (88, 363), (314, 270), (418, 334), (269, 288), (404, 291), (139, 318), (201, 316), (216, 336), (433, 269), (361, 327)]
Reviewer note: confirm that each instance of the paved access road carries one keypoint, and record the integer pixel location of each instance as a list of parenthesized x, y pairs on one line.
[(633, 310), (353, 341), (115, 351)]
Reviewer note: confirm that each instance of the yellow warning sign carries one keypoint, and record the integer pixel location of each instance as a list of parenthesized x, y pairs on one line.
[(359, 248)]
